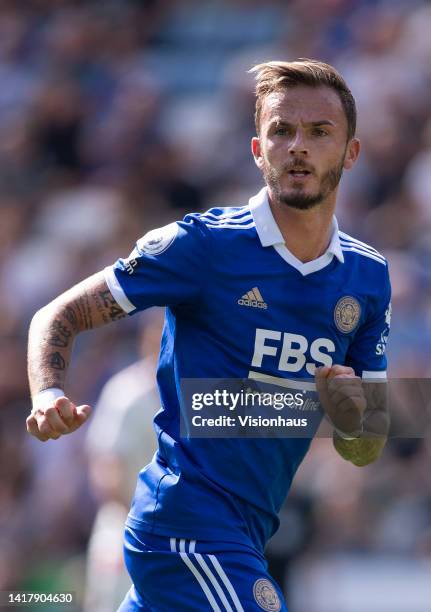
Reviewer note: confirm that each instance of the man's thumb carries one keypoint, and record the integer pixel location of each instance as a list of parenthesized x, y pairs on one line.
[(82, 413), (322, 373)]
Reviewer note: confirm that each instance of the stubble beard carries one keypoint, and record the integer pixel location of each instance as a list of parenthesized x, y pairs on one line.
[(299, 199)]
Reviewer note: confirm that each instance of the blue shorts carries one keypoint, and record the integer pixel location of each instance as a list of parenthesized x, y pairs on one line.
[(170, 574)]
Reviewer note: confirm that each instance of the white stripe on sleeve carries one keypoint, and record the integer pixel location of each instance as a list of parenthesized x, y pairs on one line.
[(382, 376), (364, 254), (117, 291)]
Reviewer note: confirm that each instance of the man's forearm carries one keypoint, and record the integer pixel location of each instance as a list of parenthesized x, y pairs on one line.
[(54, 328), (52, 332), (360, 451), (369, 445)]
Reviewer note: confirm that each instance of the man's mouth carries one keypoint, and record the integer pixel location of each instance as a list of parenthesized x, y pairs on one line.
[(299, 173)]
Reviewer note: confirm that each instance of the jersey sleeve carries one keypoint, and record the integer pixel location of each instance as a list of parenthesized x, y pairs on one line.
[(167, 267), (367, 353)]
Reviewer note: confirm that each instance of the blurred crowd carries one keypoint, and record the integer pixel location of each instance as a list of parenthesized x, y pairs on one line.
[(119, 116)]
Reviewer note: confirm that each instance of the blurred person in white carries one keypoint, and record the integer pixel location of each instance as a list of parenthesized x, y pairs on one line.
[(119, 442)]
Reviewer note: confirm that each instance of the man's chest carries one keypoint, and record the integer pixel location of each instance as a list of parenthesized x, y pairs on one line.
[(282, 322)]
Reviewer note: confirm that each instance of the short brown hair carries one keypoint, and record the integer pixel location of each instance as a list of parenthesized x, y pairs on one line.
[(274, 76)]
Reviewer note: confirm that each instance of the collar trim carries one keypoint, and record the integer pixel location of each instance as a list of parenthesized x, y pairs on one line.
[(270, 235)]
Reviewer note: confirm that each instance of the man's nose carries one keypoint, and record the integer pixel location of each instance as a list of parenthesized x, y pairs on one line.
[(298, 145)]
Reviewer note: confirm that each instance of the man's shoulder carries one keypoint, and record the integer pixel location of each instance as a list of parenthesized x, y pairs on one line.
[(227, 218), (361, 251)]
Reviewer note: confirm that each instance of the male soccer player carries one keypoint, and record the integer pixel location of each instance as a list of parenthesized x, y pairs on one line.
[(272, 288)]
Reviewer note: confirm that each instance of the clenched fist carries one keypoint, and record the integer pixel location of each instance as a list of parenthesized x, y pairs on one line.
[(59, 417), (342, 398)]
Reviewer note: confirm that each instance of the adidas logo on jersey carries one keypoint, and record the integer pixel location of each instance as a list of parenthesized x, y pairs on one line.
[(254, 299)]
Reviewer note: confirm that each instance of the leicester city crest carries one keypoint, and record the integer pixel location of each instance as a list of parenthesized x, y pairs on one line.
[(266, 596), (158, 240), (347, 314)]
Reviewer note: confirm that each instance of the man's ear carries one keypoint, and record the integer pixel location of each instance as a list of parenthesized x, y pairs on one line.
[(352, 153), (256, 151)]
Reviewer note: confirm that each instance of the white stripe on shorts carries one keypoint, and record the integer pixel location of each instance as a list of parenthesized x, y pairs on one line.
[(214, 582), (227, 583), (198, 576)]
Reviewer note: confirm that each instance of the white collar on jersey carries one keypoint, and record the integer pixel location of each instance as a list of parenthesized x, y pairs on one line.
[(270, 235)]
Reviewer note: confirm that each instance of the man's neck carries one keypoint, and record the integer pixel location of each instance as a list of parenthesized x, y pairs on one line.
[(306, 233)]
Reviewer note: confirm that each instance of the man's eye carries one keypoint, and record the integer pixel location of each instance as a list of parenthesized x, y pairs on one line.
[(319, 132), (280, 131)]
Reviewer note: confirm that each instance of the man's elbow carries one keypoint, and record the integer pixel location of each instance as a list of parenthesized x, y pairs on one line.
[(42, 318)]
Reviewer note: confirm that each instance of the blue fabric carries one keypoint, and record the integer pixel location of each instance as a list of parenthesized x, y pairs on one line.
[(232, 489), (224, 576)]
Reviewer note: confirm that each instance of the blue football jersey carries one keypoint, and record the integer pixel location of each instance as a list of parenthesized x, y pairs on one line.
[(238, 305)]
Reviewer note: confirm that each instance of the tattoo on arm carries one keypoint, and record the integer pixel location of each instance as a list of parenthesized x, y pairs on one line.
[(107, 306), (100, 308), (47, 368), (61, 334), (57, 361), (70, 316), (83, 311), (88, 305)]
